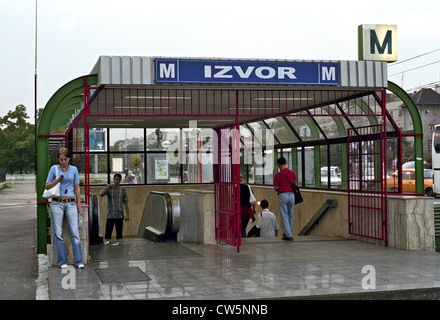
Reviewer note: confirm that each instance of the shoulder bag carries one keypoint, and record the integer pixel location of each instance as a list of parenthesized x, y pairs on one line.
[(252, 199), (295, 189), (55, 191)]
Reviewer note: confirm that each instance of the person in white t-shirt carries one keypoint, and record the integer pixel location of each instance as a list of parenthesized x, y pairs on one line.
[(266, 221)]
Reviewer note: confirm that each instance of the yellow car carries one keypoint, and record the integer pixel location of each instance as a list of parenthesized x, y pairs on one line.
[(409, 182)]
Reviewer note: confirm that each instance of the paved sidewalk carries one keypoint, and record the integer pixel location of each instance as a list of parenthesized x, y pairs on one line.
[(307, 268), (18, 240)]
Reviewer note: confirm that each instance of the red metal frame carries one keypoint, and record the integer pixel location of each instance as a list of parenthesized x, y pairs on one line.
[(82, 140), (227, 186), (118, 102), (226, 102), (86, 151), (366, 192)]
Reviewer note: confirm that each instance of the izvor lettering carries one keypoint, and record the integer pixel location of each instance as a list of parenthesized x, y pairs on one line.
[(263, 72)]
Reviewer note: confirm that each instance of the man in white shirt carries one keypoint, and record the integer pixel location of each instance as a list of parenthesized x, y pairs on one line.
[(266, 221)]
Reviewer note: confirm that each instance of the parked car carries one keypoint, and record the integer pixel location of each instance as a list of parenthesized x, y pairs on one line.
[(335, 176), (412, 165), (409, 183), (370, 180)]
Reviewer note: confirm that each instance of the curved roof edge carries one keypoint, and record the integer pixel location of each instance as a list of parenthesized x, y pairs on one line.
[(63, 103), (418, 131)]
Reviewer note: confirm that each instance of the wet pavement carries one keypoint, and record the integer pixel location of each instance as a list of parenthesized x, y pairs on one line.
[(307, 268)]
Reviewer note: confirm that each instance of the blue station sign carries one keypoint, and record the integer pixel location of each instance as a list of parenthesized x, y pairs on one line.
[(246, 72)]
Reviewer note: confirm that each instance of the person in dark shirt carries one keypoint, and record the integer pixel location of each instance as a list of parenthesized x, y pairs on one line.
[(247, 212), (117, 200)]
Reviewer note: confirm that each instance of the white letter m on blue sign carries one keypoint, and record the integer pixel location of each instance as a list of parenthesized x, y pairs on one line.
[(167, 70), (328, 73)]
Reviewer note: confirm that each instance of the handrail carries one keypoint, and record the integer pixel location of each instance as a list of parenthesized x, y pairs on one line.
[(329, 203)]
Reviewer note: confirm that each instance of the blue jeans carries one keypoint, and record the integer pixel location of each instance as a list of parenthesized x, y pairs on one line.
[(57, 211), (286, 202)]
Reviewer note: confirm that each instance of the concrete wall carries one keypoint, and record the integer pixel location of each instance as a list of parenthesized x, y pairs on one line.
[(137, 196), (333, 223), (411, 223), (410, 219)]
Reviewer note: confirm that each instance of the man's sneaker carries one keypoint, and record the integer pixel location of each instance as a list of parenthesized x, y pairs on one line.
[(80, 266), (106, 241), (63, 266), (115, 244)]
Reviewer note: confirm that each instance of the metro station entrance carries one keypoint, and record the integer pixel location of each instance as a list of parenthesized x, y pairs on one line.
[(225, 110), (313, 122)]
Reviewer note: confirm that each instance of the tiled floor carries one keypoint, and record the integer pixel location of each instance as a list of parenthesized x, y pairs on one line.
[(264, 268)]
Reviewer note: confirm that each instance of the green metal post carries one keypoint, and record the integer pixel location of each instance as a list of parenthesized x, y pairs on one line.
[(418, 131)]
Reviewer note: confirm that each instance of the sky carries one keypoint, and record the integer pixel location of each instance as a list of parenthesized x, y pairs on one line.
[(72, 34)]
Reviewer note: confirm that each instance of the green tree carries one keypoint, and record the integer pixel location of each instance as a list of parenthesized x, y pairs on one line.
[(17, 141)]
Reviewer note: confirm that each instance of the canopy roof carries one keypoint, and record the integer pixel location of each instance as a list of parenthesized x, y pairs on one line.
[(125, 83)]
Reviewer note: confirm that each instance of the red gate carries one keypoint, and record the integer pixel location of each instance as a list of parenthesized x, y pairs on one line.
[(227, 186), (367, 211)]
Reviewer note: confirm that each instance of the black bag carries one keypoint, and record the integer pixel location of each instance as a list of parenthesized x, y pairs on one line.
[(254, 232), (295, 189), (298, 196)]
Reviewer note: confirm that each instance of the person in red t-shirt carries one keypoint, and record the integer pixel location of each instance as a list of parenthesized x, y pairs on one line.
[(286, 197)]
